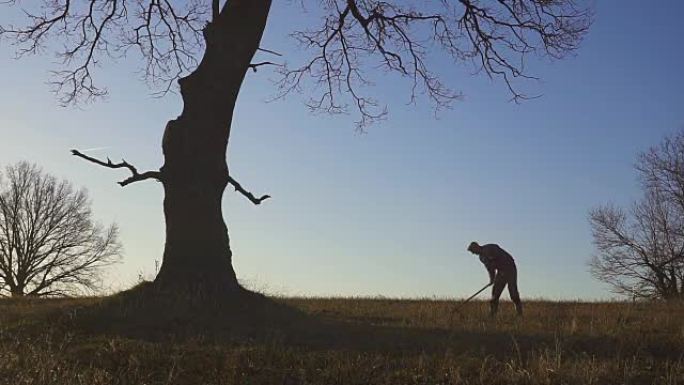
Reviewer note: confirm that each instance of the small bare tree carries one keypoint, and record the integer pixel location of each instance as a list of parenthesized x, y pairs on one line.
[(641, 252), (49, 243)]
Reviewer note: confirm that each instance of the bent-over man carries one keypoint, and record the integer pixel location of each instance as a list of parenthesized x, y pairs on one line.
[(502, 272)]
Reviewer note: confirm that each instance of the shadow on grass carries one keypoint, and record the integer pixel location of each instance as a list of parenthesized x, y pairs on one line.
[(245, 318)]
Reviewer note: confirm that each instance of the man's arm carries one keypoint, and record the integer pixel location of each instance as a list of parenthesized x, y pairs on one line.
[(492, 272), (489, 265), (488, 261)]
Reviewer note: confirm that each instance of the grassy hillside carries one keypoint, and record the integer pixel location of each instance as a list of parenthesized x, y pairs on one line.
[(348, 341)]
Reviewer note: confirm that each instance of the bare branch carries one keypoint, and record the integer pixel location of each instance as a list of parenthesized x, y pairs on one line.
[(215, 9), (355, 38), (270, 52), (496, 36), (247, 194), (135, 177), (254, 66), (166, 35)]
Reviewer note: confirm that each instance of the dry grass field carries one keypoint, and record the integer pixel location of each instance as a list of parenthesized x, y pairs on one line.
[(345, 341)]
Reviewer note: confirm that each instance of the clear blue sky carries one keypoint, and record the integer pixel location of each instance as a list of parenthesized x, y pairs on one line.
[(392, 211)]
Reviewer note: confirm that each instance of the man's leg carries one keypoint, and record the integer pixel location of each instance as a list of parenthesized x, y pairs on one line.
[(513, 292), (497, 289)]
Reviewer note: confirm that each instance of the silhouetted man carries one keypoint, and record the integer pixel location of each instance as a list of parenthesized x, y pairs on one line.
[(502, 272)]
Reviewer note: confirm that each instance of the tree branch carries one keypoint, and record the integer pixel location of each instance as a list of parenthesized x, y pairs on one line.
[(254, 66), (135, 177), (167, 35), (215, 10), (247, 194), (399, 37), (269, 51)]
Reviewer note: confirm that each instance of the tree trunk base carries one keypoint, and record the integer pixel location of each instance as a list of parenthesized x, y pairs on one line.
[(208, 286), (153, 312)]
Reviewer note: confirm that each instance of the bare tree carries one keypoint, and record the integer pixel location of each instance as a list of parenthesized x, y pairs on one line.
[(209, 46), (641, 252), (49, 244)]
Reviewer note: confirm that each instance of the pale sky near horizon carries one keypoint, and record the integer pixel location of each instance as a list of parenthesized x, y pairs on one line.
[(389, 212)]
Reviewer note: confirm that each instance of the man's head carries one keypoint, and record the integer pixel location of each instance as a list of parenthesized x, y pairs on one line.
[(474, 248)]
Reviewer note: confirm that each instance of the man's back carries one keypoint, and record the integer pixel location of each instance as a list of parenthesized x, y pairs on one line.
[(496, 257)]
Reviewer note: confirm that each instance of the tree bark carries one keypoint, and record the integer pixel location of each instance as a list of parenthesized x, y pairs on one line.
[(197, 255), (16, 290)]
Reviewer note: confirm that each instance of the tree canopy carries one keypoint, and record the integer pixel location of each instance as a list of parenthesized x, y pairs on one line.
[(352, 38), (49, 243), (640, 251)]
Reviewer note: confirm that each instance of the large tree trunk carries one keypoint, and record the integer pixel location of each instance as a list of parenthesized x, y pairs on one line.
[(17, 292), (197, 254)]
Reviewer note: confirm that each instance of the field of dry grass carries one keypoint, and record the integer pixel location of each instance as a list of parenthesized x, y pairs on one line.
[(355, 341)]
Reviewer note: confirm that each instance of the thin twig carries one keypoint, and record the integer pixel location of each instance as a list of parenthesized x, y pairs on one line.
[(270, 51)]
